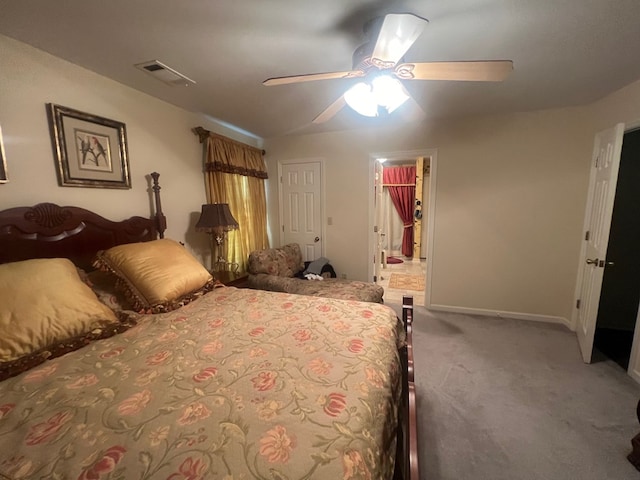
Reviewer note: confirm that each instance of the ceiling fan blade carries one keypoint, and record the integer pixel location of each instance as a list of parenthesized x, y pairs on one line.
[(331, 110), (487, 71), (312, 77), (397, 34)]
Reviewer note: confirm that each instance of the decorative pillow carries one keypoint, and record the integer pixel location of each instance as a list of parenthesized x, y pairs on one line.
[(271, 261), (285, 261), (45, 311), (294, 258), (156, 276), (103, 285)]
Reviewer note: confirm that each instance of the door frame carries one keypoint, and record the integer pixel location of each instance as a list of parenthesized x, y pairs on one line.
[(599, 204), (323, 182), (377, 212), (432, 155), (634, 356)]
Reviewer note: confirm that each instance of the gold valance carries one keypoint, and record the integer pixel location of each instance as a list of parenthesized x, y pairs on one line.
[(230, 156)]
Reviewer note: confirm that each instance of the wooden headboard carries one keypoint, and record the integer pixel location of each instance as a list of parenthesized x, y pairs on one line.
[(47, 230)]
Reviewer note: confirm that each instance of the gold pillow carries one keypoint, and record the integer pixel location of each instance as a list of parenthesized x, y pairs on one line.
[(43, 304), (157, 276)]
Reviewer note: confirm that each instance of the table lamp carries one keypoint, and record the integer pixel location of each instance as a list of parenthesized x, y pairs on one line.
[(216, 220)]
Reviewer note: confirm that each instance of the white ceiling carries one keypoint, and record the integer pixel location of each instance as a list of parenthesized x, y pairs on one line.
[(565, 52)]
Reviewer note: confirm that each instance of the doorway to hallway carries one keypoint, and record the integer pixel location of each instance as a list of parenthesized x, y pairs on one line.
[(399, 279), (411, 275)]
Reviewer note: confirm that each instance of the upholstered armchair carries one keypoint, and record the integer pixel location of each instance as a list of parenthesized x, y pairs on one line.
[(280, 270)]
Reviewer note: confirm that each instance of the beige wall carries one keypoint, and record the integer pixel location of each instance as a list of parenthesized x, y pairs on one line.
[(510, 189), (510, 198), (621, 106), (159, 139)]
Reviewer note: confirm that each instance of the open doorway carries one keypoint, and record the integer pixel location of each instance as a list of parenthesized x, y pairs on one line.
[(620, 295), (401, 268)]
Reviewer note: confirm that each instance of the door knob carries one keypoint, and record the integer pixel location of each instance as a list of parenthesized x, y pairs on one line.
[(317, 239), (592, 261)]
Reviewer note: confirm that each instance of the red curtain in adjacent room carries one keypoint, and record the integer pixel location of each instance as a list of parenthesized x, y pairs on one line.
[(401, 182)]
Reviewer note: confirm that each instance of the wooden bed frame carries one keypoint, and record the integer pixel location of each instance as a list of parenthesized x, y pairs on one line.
[(407, 414), (634, 456), (47, 230)]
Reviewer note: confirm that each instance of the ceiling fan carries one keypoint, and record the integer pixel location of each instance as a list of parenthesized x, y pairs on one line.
[(381, 66)]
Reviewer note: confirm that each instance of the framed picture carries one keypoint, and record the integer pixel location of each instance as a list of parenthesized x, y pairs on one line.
[(90, 151), (3, 162)]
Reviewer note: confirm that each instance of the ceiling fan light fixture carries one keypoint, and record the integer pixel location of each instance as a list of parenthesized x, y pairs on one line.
[(383, 91), (388, 92), (361, 99), (380, 64)]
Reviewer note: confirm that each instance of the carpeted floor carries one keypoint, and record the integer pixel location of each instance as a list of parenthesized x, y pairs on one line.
[(405, 281), (504, 399)]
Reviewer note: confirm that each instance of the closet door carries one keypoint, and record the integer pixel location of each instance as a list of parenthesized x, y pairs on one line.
[(602, 190), (301, 203)]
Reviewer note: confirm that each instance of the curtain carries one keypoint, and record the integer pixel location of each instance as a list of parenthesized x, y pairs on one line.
[(391, 224), (235, 174), (402, 189)]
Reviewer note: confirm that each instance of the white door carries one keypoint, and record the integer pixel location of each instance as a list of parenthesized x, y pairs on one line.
[(301, 207), (602, 189)]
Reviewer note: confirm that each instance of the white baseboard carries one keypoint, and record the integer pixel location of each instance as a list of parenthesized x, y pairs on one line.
[(502, 314), (634, 374)]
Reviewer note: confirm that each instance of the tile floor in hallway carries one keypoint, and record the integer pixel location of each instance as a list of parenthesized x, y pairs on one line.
[(409, 266)]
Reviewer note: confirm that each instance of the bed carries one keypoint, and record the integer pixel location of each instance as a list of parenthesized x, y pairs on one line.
[(233, 383)]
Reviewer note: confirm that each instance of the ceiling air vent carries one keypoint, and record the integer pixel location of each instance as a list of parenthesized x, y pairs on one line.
[(164, 73)]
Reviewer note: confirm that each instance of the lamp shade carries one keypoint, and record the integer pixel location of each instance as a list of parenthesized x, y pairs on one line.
[(361, 99), (380, 93), (216, 217)]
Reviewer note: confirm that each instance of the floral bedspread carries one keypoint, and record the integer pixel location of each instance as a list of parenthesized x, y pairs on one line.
[(239, 384)]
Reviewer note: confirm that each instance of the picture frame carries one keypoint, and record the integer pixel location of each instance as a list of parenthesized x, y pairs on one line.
[(90, 151), (4, 177)]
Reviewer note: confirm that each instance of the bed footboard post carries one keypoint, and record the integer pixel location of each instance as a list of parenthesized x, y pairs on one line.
[(407, 310), (161, 220), (407, 319), (634, 456), (407, 456)]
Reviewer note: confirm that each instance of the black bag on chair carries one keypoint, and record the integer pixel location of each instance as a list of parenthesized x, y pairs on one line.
[(326, 272)]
